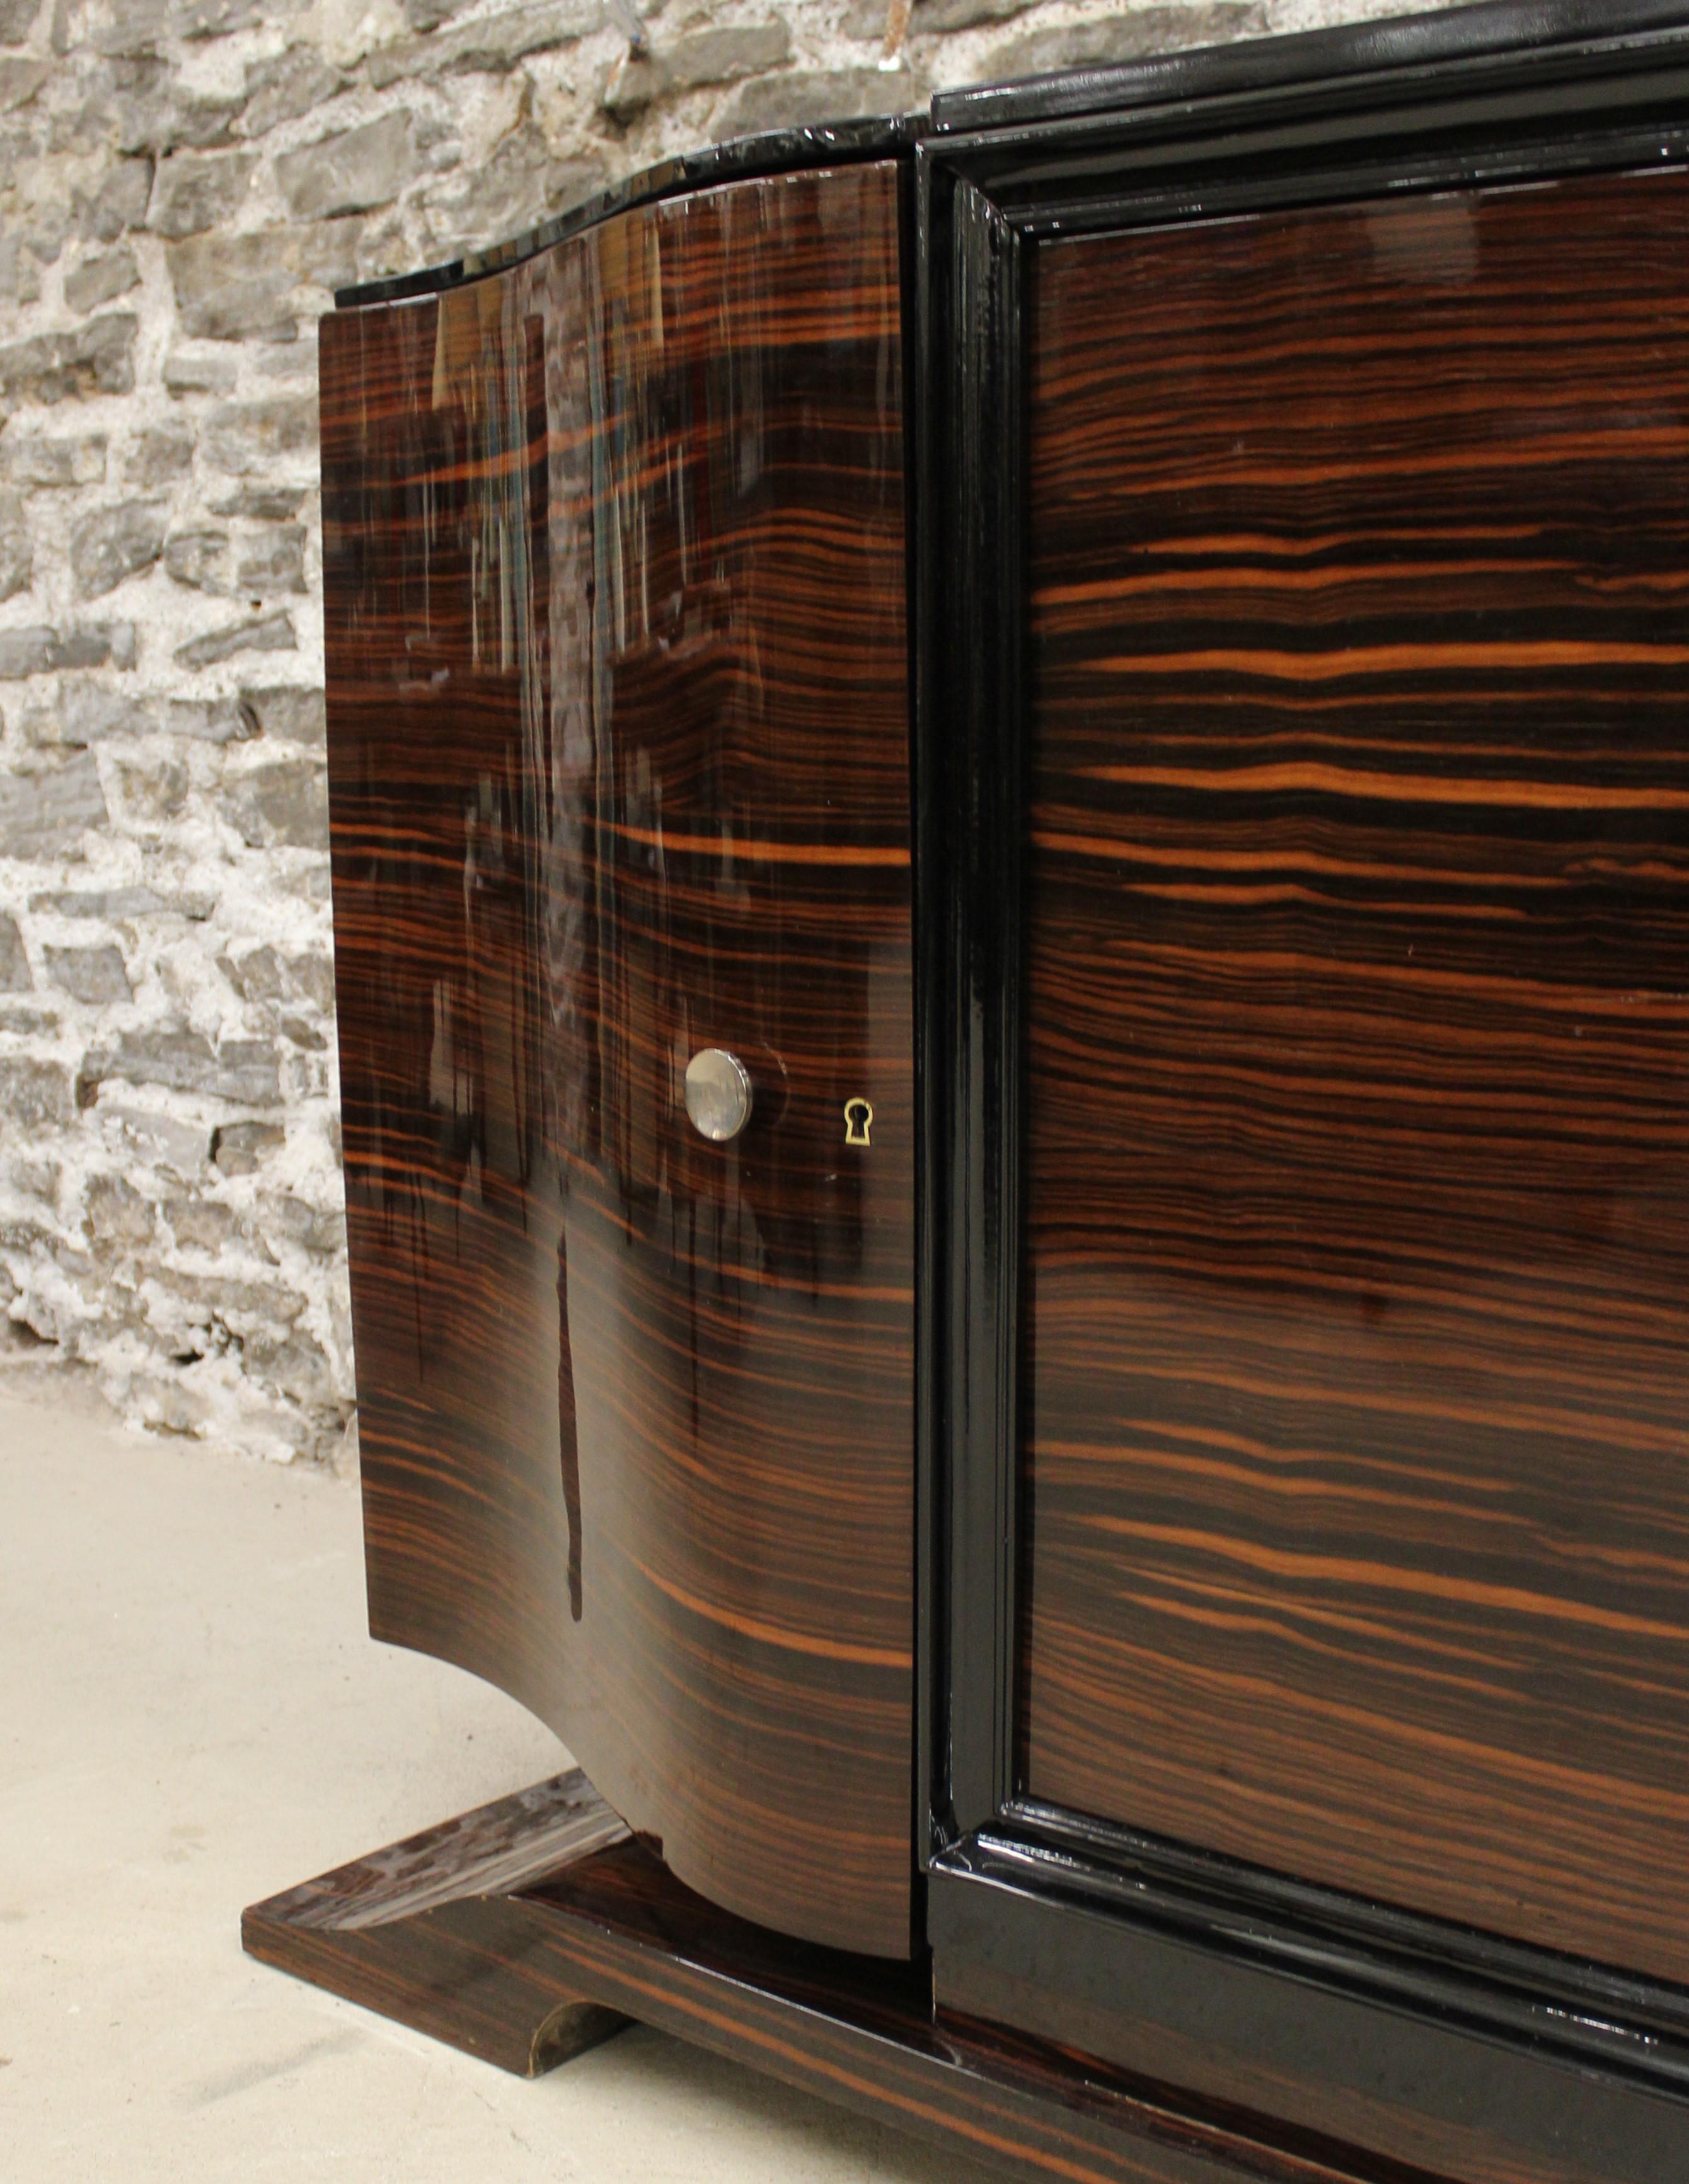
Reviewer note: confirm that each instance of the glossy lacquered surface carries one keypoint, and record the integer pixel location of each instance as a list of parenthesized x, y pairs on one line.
[(1355, 1364), (1333, 2016), (618, 747)]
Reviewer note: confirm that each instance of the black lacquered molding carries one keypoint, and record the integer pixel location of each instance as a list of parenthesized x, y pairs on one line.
[(1636, 2028), (1441, 42), (1568, 2053), (970, 834), (1132, 1951)]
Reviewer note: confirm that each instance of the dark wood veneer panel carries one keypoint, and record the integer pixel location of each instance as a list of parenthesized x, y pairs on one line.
[(1357, 1318), (618, 756)]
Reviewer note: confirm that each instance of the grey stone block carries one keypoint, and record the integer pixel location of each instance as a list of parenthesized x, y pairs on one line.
[(116, 1212), (16, 18), (156, 111), (114, 543), (14, 964), (286, 713), (94, 974), (313, 977), (16, 1016), (493, 44), (200, 1224), (63, 459), (221, 19), (184, 374), (21, 78), (937, 15), (97, 280), (797, 96), (243, 1071), (268, 504), (319, 1229), (46, 814), (99, 645), (251, 438), (82, 713), (207, 720), (20, 282), (118, 201), (17, 557), (635, 82), (429, 14), (122, 27), (865, 20), (1135, 36), (200, 559), (95, 359), (272, 562), (101, 902), (256, 976), (725, 56), (284, 87), (239, 1148), (36, 1094), (47, 230), (21, 1234), (195, 191), (354, 171), (297, 1362), (27, 651), (157, 454), (152, 789), (283, 803), (38, 650), (271, 633), (236, 288)]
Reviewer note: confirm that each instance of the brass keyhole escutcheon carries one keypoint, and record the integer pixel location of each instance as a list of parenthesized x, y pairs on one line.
[(859, 1120)]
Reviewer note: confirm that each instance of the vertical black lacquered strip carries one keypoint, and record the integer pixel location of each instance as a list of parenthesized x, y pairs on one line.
[(939, 1089), (934, 905), (973, 719)]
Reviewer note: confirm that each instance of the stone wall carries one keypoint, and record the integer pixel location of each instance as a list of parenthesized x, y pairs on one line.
[(182, 184)]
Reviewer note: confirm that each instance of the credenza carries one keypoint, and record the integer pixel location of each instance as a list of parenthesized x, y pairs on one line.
[(1010, 803)]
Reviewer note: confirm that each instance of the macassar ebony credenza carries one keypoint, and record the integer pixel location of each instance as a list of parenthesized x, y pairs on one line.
[(1011, 848)]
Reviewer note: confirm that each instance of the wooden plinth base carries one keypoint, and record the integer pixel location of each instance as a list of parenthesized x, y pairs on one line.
[(538, 1926)]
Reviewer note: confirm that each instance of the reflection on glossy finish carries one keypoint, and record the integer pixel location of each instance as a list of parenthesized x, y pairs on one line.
[(1359, 1294), (618, 761), (718, 1094)]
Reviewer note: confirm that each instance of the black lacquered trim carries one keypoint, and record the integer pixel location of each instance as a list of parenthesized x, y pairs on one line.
[(746, 159), (969, 759), (1030, 1907), (1595, 2013), (1493, 28), (1113, 1944)]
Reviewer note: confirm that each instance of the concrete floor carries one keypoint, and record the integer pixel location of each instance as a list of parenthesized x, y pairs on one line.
[(193, 1716)]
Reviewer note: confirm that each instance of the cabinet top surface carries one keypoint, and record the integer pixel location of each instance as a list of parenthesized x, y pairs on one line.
[(1492, 30)]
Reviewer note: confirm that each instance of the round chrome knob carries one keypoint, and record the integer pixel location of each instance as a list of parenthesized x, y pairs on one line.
[(718, 1094)]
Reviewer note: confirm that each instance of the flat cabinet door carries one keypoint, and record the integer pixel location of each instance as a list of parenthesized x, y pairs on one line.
[(1357, 1297), (619, 756)]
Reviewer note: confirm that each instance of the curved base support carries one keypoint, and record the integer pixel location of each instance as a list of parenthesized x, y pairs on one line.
[(418, 1931), (538, 1926)]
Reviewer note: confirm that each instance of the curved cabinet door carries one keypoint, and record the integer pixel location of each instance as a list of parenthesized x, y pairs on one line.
[(615, 568)]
